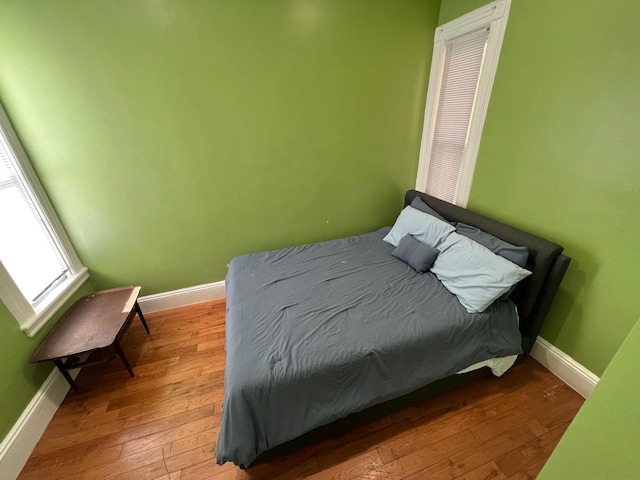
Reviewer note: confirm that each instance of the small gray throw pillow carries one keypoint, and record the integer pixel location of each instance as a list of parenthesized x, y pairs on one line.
[(416, 254)]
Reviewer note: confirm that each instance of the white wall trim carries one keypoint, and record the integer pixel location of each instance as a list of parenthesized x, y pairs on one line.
[(66, 290), (182, 297), (564, 367), (23, 437)]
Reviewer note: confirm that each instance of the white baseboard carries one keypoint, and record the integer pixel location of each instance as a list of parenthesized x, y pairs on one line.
[(182, 297), (23, 437), (564, 367)]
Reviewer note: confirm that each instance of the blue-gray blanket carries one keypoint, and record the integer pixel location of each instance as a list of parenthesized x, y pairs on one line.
[(316, 332)]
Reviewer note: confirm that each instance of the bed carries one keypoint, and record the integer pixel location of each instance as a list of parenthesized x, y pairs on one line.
[(316, 333)]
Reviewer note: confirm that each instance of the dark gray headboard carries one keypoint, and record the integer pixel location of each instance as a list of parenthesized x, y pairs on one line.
[(547, 264)]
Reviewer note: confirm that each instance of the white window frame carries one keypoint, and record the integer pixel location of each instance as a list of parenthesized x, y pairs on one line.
[(493, 15), (32, 318)]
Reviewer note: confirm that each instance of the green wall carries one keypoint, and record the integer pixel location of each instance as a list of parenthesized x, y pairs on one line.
[(19, 379), (559, 156), (452, 9), (603, 440), (173, 135)]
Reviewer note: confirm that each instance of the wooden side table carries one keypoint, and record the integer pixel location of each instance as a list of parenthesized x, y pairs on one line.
[(90, 331)]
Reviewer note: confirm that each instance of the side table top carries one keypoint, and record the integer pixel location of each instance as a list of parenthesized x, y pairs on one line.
[(92, 322)]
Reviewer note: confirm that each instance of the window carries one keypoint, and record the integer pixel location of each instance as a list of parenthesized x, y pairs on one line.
[(465, 59), (39, 269)]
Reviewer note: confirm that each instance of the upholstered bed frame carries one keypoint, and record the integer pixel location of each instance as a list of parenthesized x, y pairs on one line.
[(547, 264), (533, 297)]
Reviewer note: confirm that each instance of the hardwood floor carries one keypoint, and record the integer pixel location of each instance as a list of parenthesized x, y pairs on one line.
[(163, 423)]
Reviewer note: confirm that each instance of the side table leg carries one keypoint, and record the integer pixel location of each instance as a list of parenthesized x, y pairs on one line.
[(122, 356), (144, 322), (65, 374)]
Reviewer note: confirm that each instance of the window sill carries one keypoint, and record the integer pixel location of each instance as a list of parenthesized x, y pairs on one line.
[(48, 310)]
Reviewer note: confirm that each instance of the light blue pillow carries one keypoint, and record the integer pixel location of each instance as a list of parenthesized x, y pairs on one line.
[(473, 273), (422, 226)]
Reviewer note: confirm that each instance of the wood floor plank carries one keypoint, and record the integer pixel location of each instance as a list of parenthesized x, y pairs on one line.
[(551, 408), (193, 456), (152, 471), (173, 421), (467, 460), (429, 433), (530, 473), (280, 469), (367, 466), (163, 423), (433, 454), (183, 384), (373, 440), (200, 439), (170, 435), (210, 344), (125, 465), (488, 471), (522, 457), (67, 465), (208, 470), (53, 442)]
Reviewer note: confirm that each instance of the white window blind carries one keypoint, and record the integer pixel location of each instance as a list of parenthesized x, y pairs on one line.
[(28, 249), (463, 60), (463, 66), (39, 269)]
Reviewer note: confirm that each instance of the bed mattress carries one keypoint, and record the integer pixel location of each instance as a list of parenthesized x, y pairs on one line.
[(319, 331)]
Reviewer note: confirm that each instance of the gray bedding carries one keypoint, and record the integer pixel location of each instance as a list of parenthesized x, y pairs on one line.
[(319, 331)]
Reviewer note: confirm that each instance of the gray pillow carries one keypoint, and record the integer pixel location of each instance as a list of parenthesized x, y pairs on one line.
[(419, 204), (513, 253), (416, 254)]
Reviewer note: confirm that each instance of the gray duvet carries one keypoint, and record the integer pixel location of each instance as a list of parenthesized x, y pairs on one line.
[(316, 332)]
